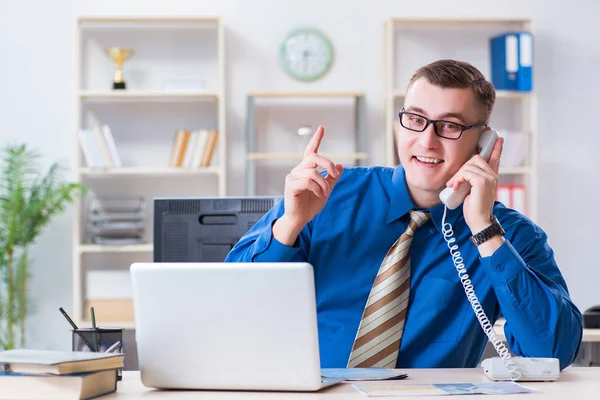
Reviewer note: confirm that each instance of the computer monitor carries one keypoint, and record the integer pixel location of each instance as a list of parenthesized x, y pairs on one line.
[(203, 229)]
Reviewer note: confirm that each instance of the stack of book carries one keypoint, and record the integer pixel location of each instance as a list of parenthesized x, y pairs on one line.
[(116, 220), (99, 148), (49, 374), (513, 196), (515, 148), (194, 149)]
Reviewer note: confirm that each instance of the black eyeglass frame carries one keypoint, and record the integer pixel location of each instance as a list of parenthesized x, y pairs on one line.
[(434, 121)]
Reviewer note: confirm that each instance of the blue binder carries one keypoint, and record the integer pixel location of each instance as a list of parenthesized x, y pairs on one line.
[(525, 73), (512, 61)]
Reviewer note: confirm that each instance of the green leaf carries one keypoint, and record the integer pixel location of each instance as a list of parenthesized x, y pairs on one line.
[(29, 199)]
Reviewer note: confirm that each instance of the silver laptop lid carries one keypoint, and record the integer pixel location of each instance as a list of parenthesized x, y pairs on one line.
[(248, 326)]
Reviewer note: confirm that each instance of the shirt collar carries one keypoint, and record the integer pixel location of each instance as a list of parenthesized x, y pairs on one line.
[(401, 203)]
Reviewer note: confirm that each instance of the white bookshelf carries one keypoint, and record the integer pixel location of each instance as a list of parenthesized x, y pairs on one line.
[(274, 146), (410, 43), (175, 81)]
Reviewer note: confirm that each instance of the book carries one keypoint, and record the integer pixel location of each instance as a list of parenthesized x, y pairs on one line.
[(440, 389), (177, 147), (111, 146), (209, 150), (27, 361), (91, 151), (78, 386), (102, 145), (362, 374)]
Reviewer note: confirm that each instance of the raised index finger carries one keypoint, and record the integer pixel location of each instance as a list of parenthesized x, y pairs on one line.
[(315, 142)]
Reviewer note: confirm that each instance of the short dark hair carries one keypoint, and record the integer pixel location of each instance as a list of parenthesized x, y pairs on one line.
[(460, 75)]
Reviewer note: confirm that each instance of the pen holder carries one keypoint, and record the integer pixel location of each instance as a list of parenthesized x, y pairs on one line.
[(99, 340)]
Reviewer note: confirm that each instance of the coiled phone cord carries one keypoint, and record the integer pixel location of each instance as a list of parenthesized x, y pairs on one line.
[(472, 297)]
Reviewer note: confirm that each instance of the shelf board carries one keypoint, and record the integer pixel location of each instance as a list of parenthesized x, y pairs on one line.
[(146, 20), (147, 172), (147, 95), (299, 156), (515, 171), (109, 324), (125, 248), (459, 21), (507, 94), (306, 94), (500, 94)]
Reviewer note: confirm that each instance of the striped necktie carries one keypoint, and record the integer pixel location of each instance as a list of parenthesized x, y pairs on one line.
[(378, 338)]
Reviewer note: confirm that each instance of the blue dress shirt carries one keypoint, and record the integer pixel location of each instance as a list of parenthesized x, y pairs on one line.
[(346, 242)]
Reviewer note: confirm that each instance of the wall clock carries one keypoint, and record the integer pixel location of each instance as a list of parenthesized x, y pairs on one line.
[(306, 54)]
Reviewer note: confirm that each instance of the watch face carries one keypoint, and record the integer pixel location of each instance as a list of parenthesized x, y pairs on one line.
[(306, 54)]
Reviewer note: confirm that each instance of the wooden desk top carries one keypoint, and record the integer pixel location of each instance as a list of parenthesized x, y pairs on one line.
[(582, 382)]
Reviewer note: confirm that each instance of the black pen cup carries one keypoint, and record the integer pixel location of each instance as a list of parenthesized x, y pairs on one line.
[(99, 340)]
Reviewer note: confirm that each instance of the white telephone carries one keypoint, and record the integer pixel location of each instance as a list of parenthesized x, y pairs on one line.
[(504, 367), (453, 198)]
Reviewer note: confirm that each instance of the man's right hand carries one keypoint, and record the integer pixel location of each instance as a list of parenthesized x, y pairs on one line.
[(306, 191)]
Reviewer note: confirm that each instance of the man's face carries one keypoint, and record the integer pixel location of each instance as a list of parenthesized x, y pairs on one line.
[(430, 161)]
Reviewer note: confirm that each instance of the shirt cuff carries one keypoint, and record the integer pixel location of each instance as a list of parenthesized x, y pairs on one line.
[(269, 249), (504, 264)]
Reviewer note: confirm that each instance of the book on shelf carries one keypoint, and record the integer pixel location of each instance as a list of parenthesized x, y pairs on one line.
[(99, 148), (110, 311), (190, 149), (515, 148), (513, 196), (193, 149)]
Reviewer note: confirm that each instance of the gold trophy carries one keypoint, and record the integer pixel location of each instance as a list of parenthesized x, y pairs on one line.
[(119, 56)]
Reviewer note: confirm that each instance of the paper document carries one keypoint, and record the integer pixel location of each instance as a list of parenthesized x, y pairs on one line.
[(441, 389), (362, 374)]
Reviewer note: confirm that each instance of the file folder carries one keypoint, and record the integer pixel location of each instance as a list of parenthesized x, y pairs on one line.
[(511, 61), (504, 61), (524, 74)]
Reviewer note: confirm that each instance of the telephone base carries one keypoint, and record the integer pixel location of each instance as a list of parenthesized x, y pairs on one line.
[(530, 369)]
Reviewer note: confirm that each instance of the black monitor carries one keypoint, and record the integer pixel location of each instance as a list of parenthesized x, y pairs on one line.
[(203, 229)]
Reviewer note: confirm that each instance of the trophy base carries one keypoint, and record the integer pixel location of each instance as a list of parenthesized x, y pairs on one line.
[(119, 85)]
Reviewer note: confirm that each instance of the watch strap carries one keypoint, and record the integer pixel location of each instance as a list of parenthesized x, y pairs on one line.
[(494, 229)]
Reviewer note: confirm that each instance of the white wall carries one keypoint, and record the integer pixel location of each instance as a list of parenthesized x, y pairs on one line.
[(37, 98)]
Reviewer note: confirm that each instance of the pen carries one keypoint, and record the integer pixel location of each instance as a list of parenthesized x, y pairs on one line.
[(114, 347), (96, 340), (68, 318), (75, 328)]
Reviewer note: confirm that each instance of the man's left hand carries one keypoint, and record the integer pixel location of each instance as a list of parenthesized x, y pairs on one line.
[(483, 177)]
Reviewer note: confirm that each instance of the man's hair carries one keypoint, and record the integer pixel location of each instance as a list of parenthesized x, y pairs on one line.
[(460, 75)]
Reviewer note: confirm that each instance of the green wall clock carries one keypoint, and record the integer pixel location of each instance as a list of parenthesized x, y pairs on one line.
[(306, 54)]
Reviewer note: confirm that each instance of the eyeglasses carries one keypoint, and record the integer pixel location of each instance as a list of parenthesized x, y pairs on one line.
[(446, 129)]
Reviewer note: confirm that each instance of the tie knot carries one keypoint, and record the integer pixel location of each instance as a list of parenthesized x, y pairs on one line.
[(419, 217)]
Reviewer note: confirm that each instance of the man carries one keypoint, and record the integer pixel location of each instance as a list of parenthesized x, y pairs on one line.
[(390, 296)]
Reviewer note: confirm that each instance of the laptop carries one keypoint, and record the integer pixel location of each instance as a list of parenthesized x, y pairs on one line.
[(227, 326)]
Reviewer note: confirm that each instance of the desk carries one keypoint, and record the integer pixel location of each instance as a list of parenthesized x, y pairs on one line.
[(584, 383)]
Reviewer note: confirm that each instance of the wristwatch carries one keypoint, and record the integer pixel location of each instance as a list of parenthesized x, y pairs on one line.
[(494, 229)]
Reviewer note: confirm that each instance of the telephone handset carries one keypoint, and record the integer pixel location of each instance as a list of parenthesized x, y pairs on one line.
[(453, 198), (504, 367)]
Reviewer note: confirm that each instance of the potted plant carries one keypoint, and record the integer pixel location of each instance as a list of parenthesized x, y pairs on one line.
[(28, 201)]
